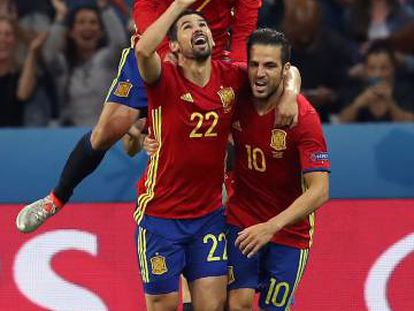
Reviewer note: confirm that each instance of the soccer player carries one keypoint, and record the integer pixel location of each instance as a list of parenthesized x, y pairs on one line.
[(190, 106), (126, 98), (280, 179)]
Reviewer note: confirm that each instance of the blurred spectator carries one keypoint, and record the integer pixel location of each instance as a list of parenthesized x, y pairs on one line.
[(377, 19), (271, 13), (380, 97), (8, 9), (320, 53), (334, 14), (81, 61), (16, 86)]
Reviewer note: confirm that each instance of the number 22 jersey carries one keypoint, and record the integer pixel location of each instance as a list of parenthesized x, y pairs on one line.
[(183, 180)]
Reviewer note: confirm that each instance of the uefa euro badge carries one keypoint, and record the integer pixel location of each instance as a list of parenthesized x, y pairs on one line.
[(278, 140), (227, 97), (158, 265), (230, 275), (123, 88)]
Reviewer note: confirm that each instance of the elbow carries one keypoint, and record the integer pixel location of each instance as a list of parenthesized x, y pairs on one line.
[(324, 195), (141, 51)]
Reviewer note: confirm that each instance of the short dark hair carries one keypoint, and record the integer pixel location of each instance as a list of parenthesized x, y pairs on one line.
[(172, 32), (268, 36), (382, 47)]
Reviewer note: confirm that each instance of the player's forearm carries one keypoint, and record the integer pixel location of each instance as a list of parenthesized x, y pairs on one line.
[(154, 35), (307, 203)]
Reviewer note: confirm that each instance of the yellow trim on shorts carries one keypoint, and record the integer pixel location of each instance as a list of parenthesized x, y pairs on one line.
[(142, 256), (303, 258), (124, 56)]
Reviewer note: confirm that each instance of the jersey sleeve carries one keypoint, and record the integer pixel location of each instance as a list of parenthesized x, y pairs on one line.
[(128, 87), (146, 12), (244, 22), (312, 145)]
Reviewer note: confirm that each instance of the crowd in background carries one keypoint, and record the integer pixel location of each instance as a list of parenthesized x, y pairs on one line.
[(57, 58)]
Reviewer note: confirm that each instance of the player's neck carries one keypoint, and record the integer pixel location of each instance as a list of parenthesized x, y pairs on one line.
[(197, 72), (263, 106)]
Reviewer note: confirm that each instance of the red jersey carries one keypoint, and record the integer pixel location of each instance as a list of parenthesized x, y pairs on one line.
[(269, 168), (191, 123), (221, 15)]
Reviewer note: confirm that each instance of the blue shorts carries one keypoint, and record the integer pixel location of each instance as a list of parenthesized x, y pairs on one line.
[(167, 248), (128, 87), (274, 272)]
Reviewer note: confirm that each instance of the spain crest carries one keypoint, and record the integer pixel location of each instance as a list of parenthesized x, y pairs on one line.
[(278, 140), (227, 98), (123, 89), (158, 265)]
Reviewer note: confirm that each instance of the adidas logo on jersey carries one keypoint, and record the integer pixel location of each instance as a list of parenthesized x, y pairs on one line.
[(187, 97)]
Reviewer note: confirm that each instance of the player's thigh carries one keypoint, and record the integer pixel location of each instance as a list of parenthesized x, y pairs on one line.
[(281, 271), (243, 274), (206, 264), (209, 293), (206, 252), (114, 122), (161, 262)]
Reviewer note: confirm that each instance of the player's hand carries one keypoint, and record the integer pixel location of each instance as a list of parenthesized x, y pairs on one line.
[(150, 146), (287, 111), (251, 239)]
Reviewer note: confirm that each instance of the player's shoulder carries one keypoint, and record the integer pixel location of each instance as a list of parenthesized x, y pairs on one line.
[(306, 109)]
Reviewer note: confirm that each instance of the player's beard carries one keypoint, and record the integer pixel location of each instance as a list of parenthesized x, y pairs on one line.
[(203, 55)]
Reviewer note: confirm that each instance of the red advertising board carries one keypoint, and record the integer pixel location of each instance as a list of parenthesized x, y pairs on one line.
[(84, 259)]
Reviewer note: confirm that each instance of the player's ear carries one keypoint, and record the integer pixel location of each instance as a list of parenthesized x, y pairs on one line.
[(174, 46), (286, 68)]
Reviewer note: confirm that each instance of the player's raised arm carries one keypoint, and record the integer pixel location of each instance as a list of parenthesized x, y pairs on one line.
[(149, 62)]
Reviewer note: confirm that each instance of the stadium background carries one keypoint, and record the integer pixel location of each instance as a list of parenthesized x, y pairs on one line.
[(84, 259)]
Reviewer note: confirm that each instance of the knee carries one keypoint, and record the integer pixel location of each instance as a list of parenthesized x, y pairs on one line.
[(240, 304), (102, 138)]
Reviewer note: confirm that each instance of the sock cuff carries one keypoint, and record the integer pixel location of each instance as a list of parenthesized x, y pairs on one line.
[(58, 203)]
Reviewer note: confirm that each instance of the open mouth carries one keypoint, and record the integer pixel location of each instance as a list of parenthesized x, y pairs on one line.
[(260, 86), (199, 39)]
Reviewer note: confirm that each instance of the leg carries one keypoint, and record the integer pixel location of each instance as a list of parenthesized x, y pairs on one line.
[(160, 261), (241, 299), (283, 268), (114, 122), (186, 296), (206, 264), (209, 293), (243, 275), (165, 302)]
